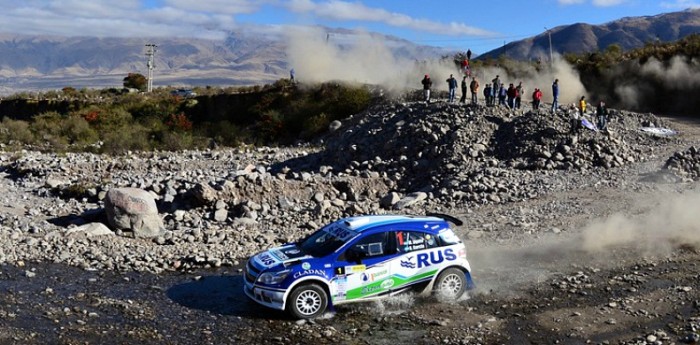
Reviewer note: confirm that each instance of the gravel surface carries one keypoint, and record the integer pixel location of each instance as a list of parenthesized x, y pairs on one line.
[(572, 238)]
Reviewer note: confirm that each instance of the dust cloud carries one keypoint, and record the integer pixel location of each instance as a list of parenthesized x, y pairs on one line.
[(656, 85), (660, 227), (673, 222), (369, 59), (365, 59)]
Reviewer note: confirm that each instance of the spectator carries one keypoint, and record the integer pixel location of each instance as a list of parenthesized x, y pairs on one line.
[(452, 87), (502, 93), (582, 105), (512, 92), (427, 84), (555, 95), (536, 99), (464, 90), (474, 87), (519, 94), (575, 122), (291, 75), (488, 95), (602, 112)]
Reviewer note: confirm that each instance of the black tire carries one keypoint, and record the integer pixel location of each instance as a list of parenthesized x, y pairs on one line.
[(450, 284), (307, 301)]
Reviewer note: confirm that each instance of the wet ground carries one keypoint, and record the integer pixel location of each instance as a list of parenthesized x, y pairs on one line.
[(621, 302)]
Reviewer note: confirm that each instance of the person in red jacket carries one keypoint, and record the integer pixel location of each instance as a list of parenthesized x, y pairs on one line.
[(536, 99)]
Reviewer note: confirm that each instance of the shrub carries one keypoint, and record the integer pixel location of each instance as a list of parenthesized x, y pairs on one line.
[(78, 131), (16, 132), (128, 138)]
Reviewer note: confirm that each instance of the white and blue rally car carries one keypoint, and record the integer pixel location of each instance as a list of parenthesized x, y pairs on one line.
[(360, 259)]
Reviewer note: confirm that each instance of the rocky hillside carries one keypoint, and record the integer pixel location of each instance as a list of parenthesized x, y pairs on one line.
[(221, 206), (628, 33)]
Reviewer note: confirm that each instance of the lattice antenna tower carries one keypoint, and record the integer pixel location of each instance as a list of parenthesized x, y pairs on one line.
[(150, 53)]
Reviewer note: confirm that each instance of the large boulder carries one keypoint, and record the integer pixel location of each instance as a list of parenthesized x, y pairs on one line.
[(133, 210)]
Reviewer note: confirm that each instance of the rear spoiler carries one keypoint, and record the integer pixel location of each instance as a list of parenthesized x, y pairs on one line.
[(446, 217)]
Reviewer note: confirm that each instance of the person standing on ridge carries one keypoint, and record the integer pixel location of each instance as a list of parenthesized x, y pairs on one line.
[(291, 75), (602, 112), (519, 94), (536, 99), (582, 105), (464, 90), (502, 93), (488, 95), (452, 87), (555, 96), (511, 92), (427, 84), (474, 87)]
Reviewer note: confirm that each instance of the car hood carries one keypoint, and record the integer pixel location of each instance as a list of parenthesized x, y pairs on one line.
[(281, 255)]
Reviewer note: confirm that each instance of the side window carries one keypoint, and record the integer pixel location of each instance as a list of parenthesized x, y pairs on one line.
[(369, 246), (408, 241)]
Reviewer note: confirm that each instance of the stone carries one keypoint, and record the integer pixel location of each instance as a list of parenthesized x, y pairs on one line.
[(133, 210), (334, 126), (91, 230), (389, 200), (410, 200), (221, 215), (55, 183), (204, 194)]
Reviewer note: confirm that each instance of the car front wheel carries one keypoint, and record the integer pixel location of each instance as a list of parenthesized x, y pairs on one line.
[(450, 284), (307, 301)]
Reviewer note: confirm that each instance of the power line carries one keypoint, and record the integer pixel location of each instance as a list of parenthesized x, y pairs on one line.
[(150, 52)]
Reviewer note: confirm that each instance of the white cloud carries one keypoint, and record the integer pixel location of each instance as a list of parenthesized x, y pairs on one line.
[(598, 3), (347, 11), (217, 6), (606, 3), (681, 4), (124, 18)]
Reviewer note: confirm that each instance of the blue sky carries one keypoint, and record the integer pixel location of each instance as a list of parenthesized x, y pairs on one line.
[(477, 25)]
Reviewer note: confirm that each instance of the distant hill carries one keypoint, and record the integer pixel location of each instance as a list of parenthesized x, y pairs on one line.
[(243, 58), (628, 33)]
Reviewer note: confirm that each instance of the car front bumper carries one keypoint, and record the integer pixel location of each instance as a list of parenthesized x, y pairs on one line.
[(270, 298)]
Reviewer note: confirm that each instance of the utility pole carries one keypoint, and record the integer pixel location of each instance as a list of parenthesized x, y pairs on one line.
[(150, 52), (549, 33)]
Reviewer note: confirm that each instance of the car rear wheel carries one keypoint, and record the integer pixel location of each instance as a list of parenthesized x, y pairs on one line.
[(307, 301), (450, 284)]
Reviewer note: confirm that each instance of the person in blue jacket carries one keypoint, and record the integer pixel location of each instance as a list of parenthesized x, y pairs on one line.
[(555, 95), (452, 86)]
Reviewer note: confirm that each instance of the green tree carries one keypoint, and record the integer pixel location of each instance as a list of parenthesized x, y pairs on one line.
[(136, 81)]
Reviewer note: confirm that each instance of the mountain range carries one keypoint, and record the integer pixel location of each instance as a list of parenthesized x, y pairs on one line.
[(30, 63), (628, 33)]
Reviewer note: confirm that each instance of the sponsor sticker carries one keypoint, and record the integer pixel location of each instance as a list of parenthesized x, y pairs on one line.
[(355, 269), (387, 284), (292, 251), (306, 265), (321, 273)]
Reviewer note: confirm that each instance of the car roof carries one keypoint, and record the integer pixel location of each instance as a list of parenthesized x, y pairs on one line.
[(364, 223)]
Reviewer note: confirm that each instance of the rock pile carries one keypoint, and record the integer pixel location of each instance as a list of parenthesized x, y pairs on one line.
[(685, 164), (468, 153)]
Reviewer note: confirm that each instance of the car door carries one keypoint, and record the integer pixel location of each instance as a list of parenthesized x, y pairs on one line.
[(363, 270), (417, 251)]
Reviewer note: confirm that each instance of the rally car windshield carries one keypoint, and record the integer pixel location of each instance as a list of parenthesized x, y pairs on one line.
[(326, 240)]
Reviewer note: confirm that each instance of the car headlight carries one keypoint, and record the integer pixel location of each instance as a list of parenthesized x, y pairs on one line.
[(273, 277)]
